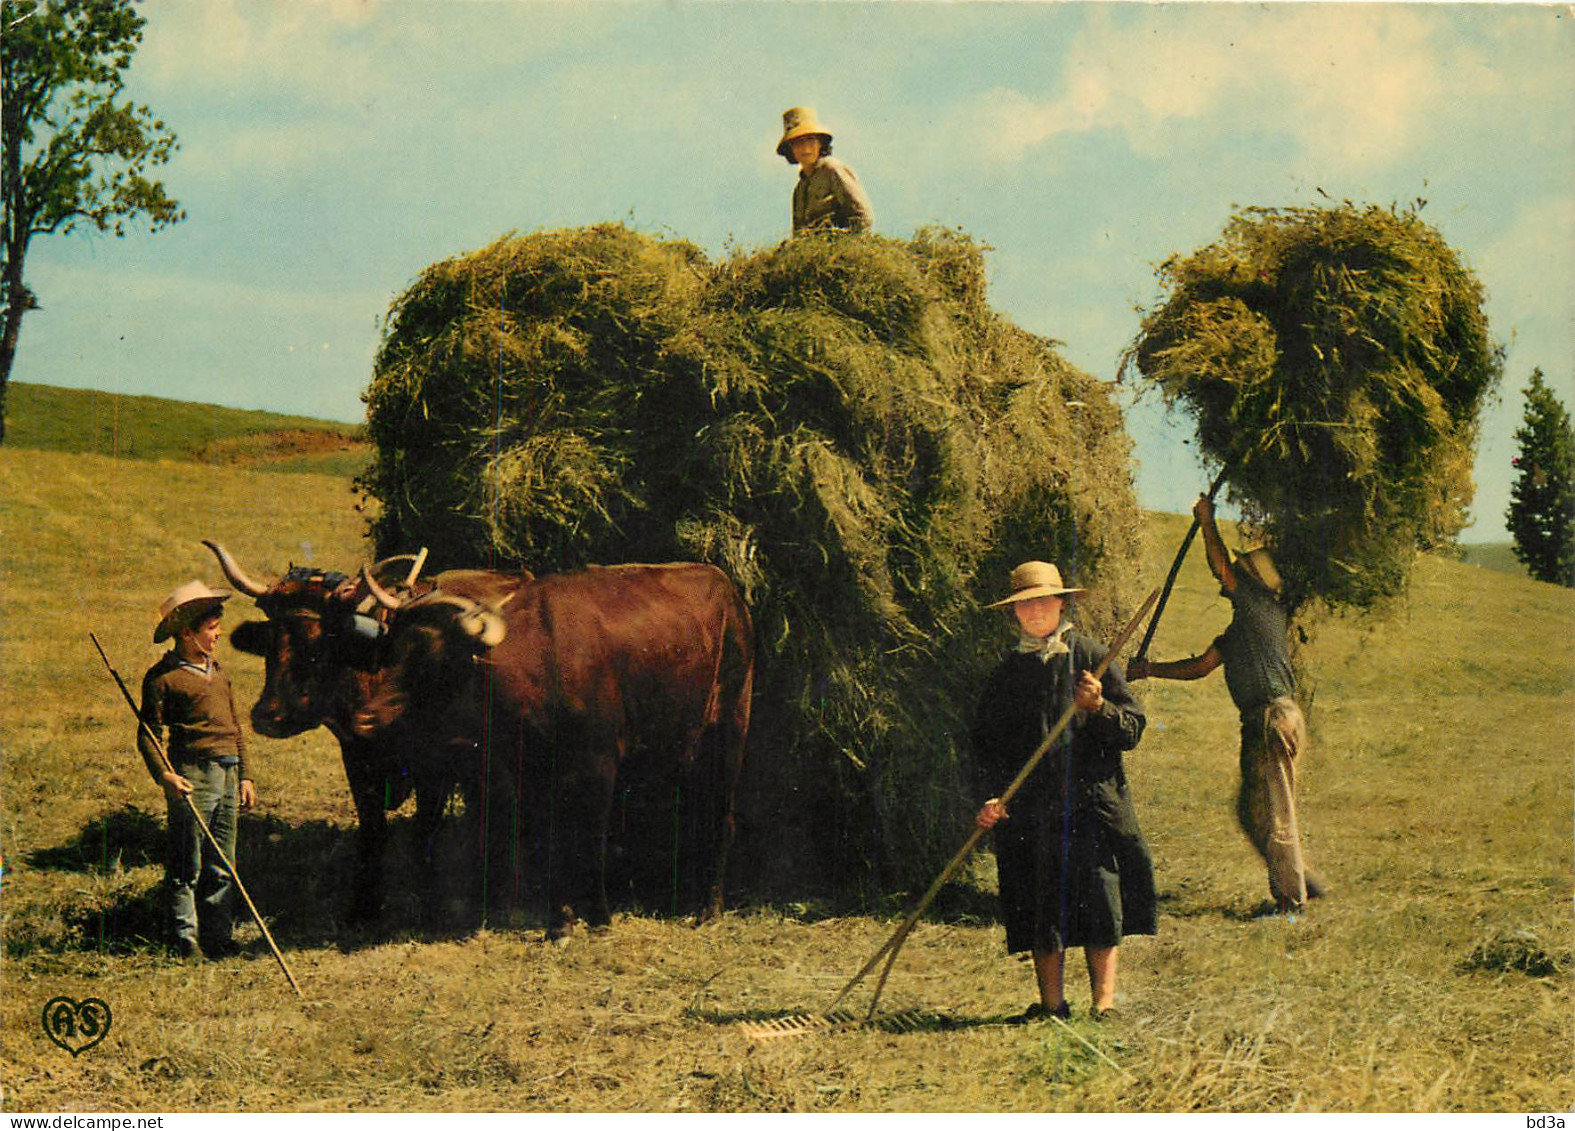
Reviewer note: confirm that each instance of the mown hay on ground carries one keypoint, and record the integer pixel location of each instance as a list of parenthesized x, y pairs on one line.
[(840, 423), (1335, 360)]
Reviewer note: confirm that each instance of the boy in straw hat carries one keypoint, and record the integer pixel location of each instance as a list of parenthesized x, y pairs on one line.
[(1072, 864), (828, 194), (1255, 650), (188, 694)]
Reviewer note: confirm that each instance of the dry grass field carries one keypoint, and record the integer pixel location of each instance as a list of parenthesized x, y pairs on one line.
[(1437, 800)]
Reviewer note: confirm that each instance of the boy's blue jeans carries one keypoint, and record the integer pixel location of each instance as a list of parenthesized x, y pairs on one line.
[(201, 888)]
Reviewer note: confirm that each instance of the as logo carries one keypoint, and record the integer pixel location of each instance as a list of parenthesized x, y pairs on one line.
[(76, 1026)]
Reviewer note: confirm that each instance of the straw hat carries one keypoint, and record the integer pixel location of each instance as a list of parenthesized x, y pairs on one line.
[(189, 603), (1261, 566), (799, 121), (1034, 579)]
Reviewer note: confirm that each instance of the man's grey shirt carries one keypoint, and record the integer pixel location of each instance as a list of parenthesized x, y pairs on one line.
[(1256, 646)]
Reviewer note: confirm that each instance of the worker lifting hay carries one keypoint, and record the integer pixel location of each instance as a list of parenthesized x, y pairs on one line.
[(1335, 360)]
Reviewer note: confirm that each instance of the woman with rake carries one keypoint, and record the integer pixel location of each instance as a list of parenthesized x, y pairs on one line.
[(1073, 867)]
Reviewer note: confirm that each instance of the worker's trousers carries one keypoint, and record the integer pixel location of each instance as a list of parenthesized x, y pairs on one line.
[(1271, 739)]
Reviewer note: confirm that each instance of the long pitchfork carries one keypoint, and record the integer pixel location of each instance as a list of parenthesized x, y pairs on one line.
[(164, 760), (1175, 568), (892, 945)]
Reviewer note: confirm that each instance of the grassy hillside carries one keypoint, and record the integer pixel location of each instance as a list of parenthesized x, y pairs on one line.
[(1436, 799), (47, 418), (1498, 556)]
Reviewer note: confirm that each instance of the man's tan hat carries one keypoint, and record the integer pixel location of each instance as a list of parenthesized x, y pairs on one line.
[(799, 121), (1261, 566), (1034, 579), (187, 604)]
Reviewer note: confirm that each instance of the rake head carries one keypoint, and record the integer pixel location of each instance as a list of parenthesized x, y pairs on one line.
[(838, 1020)]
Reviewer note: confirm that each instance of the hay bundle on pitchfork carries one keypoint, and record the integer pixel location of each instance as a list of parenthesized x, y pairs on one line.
[(1335, 361)]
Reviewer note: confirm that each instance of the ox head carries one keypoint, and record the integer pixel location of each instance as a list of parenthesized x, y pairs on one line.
[(430, 679), (320, 650)]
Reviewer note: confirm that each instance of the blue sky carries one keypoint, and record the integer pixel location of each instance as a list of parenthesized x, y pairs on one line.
[(330, 151)]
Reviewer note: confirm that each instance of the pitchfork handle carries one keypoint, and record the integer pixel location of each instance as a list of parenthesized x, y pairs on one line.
[(1175, 568)]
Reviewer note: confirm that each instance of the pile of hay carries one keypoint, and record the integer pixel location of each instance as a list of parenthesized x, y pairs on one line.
[(840, 423), (1335, 360)]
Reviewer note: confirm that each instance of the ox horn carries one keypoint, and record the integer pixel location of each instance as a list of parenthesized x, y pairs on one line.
[(233, 571), (484, 624), (379, 594), (482, 621)]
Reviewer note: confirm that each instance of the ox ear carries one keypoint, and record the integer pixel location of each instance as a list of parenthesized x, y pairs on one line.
[(483, 626), (251, 636)]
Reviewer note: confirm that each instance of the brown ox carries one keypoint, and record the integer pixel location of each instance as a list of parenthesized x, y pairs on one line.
[(631, 680), (323, 658)]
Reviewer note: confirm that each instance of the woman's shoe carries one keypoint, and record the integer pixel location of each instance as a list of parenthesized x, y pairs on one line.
[(1039, 1011)]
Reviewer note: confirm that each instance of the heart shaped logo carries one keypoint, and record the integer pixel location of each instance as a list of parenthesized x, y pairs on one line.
[(76, 1026)]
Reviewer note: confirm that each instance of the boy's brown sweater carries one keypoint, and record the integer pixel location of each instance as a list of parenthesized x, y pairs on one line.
[(199, 712)]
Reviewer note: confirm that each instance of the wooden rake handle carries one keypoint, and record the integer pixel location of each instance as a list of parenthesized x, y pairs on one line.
[(229, 865), (893, 944)]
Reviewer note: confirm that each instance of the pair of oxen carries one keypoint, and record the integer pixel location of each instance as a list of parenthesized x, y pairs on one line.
[(541, 699)]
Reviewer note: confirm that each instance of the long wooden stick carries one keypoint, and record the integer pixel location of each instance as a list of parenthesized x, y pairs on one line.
[(1175, 568), (893, 944), (164, 760)]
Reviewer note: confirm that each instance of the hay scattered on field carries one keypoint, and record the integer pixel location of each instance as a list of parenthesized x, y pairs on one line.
[(1519, 951), (1335, 360), (840, 423)]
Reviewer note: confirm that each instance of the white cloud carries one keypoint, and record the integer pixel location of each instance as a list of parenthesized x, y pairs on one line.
[(1529, 271), (1353, 86), (300, 44)]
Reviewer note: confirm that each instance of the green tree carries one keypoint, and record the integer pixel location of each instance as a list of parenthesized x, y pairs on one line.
[(1542, 499), (76, 152)]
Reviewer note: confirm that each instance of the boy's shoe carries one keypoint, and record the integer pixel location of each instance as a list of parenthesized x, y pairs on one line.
[(223, 948), (1110, 1014), (183, 948)]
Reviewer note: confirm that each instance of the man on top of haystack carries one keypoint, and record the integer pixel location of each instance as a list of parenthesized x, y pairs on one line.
[(828, 194), (1255, 650)]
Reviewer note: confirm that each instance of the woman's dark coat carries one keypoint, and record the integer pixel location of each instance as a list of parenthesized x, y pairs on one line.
[(1073, 867)]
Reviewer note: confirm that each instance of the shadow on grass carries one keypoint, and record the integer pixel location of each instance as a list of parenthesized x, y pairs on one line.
[(300, 877), (1185, 904), (129, 837), (957, 904)]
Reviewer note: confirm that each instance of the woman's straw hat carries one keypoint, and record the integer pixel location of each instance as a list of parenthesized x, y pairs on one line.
[(1261, 566), (1034, 579), (799, 121), (187, 604)]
